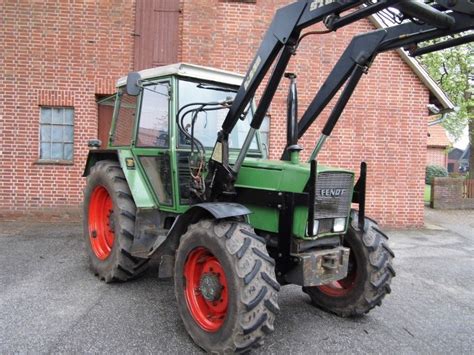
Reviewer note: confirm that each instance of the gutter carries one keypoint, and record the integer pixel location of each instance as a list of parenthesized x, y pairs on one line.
[(437, 121), (425, 78)]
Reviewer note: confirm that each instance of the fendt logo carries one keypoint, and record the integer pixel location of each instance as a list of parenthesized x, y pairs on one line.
[(252, 72), (316, 4), (332, 192)]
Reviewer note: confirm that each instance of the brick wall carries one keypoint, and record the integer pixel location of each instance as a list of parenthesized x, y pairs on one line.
[(56, 53), (448, 193), (436, 156), (384, 123)]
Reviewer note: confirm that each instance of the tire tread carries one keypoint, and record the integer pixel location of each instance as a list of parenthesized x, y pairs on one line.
[(258, 296), (378, 268), (126, 266)]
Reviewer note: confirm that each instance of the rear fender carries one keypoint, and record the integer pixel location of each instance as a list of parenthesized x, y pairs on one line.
[(96, 155), (141, 193)]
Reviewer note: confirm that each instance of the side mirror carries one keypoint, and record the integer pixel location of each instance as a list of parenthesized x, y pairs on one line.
[(94, 143), (133, 87)]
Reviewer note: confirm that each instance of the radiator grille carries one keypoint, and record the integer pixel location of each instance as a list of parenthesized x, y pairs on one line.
[(333, 195)]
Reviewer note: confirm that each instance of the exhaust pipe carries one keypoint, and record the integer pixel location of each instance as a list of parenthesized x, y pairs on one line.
[(292, 146)]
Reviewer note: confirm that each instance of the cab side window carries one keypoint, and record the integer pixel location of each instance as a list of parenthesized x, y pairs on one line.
[(153, 126), (125, 119), (158, 171)]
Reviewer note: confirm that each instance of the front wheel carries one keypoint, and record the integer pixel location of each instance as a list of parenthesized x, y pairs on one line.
[(369, 274), (225, 286)]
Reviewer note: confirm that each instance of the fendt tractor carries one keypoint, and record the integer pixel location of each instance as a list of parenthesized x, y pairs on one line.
[(185, 180)]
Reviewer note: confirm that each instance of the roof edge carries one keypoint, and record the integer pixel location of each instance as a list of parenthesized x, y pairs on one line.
[(437, 145), (189, 70)]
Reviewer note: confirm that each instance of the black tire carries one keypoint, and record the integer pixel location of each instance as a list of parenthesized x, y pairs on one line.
[(119, 265), (369, 277), (252, 288)]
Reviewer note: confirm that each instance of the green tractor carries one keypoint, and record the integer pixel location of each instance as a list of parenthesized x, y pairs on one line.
[(229, 225)]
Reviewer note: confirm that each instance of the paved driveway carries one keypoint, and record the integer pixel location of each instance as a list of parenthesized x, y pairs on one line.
[(50, 302)]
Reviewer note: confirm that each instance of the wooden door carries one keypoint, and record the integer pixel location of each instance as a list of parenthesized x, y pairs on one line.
[(156, 33), (105, 113)]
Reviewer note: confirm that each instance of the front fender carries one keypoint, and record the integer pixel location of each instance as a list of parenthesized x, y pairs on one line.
[(220, 210), (216, 210)]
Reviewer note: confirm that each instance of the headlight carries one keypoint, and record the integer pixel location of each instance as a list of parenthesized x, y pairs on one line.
[(339, 224), (315, 228)]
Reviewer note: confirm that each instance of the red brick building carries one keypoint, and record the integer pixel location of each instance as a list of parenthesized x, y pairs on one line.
[(60, 57), (437, 146)]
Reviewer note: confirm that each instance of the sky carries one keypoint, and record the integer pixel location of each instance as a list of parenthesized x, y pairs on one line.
[(463, 141)]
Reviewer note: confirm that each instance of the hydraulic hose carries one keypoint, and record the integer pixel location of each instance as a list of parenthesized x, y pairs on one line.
[(425, 13)]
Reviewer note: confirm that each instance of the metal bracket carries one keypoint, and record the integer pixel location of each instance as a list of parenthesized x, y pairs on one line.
[(359, 194), (319, 267)]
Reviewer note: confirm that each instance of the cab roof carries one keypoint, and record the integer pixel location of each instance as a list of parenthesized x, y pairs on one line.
[(189, 71)]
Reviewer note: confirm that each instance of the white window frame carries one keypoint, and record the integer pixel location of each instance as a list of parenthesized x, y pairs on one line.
[(64, 140)]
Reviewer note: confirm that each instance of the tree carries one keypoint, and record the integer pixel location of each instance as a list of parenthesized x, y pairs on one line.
[(453, 70)]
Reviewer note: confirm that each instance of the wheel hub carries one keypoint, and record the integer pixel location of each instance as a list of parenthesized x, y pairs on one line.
[(206, 290), (210, 287), (101, 222)]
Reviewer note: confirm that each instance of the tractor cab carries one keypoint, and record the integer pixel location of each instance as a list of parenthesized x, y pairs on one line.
[(163, 139), (164, 129)]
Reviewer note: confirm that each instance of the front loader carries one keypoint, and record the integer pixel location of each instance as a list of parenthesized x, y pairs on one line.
[(229, 225)]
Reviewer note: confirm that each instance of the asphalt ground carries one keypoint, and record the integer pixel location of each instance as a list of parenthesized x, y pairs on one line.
[(51, 303)]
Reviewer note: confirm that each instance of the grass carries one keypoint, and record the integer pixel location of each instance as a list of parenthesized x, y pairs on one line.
[(427, 197)]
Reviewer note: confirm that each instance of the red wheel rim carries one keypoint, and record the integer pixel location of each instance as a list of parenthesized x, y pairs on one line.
[(101, 231), (342, 287), (206, 289)]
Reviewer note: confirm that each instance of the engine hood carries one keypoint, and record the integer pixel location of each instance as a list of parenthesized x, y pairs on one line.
[(277, 175)]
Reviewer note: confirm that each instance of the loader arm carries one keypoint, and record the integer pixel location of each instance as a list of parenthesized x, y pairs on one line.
[(285, 30), (361, 52), (280, 42)]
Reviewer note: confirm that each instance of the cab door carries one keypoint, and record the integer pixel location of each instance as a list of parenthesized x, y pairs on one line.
[(152, 146)]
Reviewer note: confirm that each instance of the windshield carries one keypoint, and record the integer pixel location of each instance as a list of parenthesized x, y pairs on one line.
[(209, 123)]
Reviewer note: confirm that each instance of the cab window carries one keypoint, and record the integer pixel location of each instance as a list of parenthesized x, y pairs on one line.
[(208, 123), (153, 125)]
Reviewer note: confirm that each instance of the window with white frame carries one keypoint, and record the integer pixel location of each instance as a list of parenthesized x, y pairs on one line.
[(56, 133)]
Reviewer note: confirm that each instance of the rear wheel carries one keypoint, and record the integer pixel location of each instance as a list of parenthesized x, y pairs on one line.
[(225, 286), (109, 222), (369, 274)]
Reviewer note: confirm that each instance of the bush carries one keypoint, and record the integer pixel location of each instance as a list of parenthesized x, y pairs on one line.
[(433, 171)]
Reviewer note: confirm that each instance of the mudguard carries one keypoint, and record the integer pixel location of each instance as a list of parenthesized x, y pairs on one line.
[(217, 210), (96, 155), (166, 247), (220, 210)]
